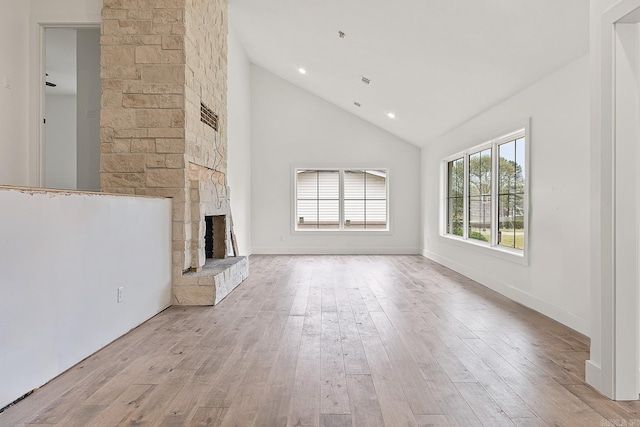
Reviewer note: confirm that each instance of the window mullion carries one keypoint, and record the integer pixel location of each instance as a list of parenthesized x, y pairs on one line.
[(447, 198), (341, 198), (364, 177), (318, 199), (495, 163), (465, 198)]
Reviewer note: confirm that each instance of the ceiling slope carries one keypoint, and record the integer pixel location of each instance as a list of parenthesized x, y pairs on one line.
[(433, 63)]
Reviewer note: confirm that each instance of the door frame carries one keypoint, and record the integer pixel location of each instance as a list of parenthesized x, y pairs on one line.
[(613, 368), (37, 46)]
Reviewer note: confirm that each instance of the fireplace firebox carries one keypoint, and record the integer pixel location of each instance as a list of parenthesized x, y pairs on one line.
[(215, 243)]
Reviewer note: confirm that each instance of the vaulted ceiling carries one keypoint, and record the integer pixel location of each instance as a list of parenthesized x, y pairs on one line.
[(433, 63)]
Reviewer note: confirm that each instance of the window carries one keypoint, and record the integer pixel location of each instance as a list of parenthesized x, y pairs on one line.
[(486, 195), (365, 199), (480, 195), (341, 199), (455, 198), (318, 198), (511, 194)]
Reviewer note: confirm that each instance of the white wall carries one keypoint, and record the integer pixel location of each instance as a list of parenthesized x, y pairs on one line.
[(88, 56), (14, 50), (239, 141), (291, 127), (60, 155), (556, 281), (71, 10), (62, 258)]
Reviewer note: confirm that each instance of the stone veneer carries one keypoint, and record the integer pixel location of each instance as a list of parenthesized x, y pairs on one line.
[(160, 59), (225, 275)]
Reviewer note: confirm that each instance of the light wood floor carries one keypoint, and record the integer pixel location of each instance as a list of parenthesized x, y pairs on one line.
[(336, 341)]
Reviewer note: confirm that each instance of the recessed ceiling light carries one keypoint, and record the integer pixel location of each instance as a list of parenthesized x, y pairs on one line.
[(391, 115), (302, 70)]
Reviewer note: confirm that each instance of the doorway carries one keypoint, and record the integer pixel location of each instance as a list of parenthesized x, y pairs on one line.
[(626, 136), (614, 365), (70, 146)]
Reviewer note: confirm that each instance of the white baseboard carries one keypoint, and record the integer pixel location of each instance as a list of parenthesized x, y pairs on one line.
[(593, 375), (550, 310), (368, 250)]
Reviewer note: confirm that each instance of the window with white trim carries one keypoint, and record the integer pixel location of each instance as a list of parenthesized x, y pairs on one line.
[(485, 196), (341, 199), (455, 196)]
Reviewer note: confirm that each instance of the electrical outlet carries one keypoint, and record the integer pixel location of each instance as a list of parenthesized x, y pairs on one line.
[(120, 294)]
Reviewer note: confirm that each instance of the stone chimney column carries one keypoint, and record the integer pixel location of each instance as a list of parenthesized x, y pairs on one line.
[(161, 60)]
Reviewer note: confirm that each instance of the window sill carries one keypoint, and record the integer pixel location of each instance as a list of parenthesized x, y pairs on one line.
[(515, 256), (343, 232)]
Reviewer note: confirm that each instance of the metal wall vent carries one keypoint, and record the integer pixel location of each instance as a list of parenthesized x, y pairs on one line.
[(208, 117)]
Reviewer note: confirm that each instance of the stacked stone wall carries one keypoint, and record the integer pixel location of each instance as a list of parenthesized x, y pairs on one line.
[(159, 60), (206, 83)]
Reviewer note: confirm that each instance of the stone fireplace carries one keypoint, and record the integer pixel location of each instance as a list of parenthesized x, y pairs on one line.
[(164, 129)]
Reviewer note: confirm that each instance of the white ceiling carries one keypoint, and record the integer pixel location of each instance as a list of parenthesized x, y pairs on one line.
[(434, 63)]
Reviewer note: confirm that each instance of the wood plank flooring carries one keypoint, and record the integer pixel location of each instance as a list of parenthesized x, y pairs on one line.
[(336, 341)]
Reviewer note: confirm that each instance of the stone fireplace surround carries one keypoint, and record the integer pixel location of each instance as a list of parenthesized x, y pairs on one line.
[(161, 61)]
